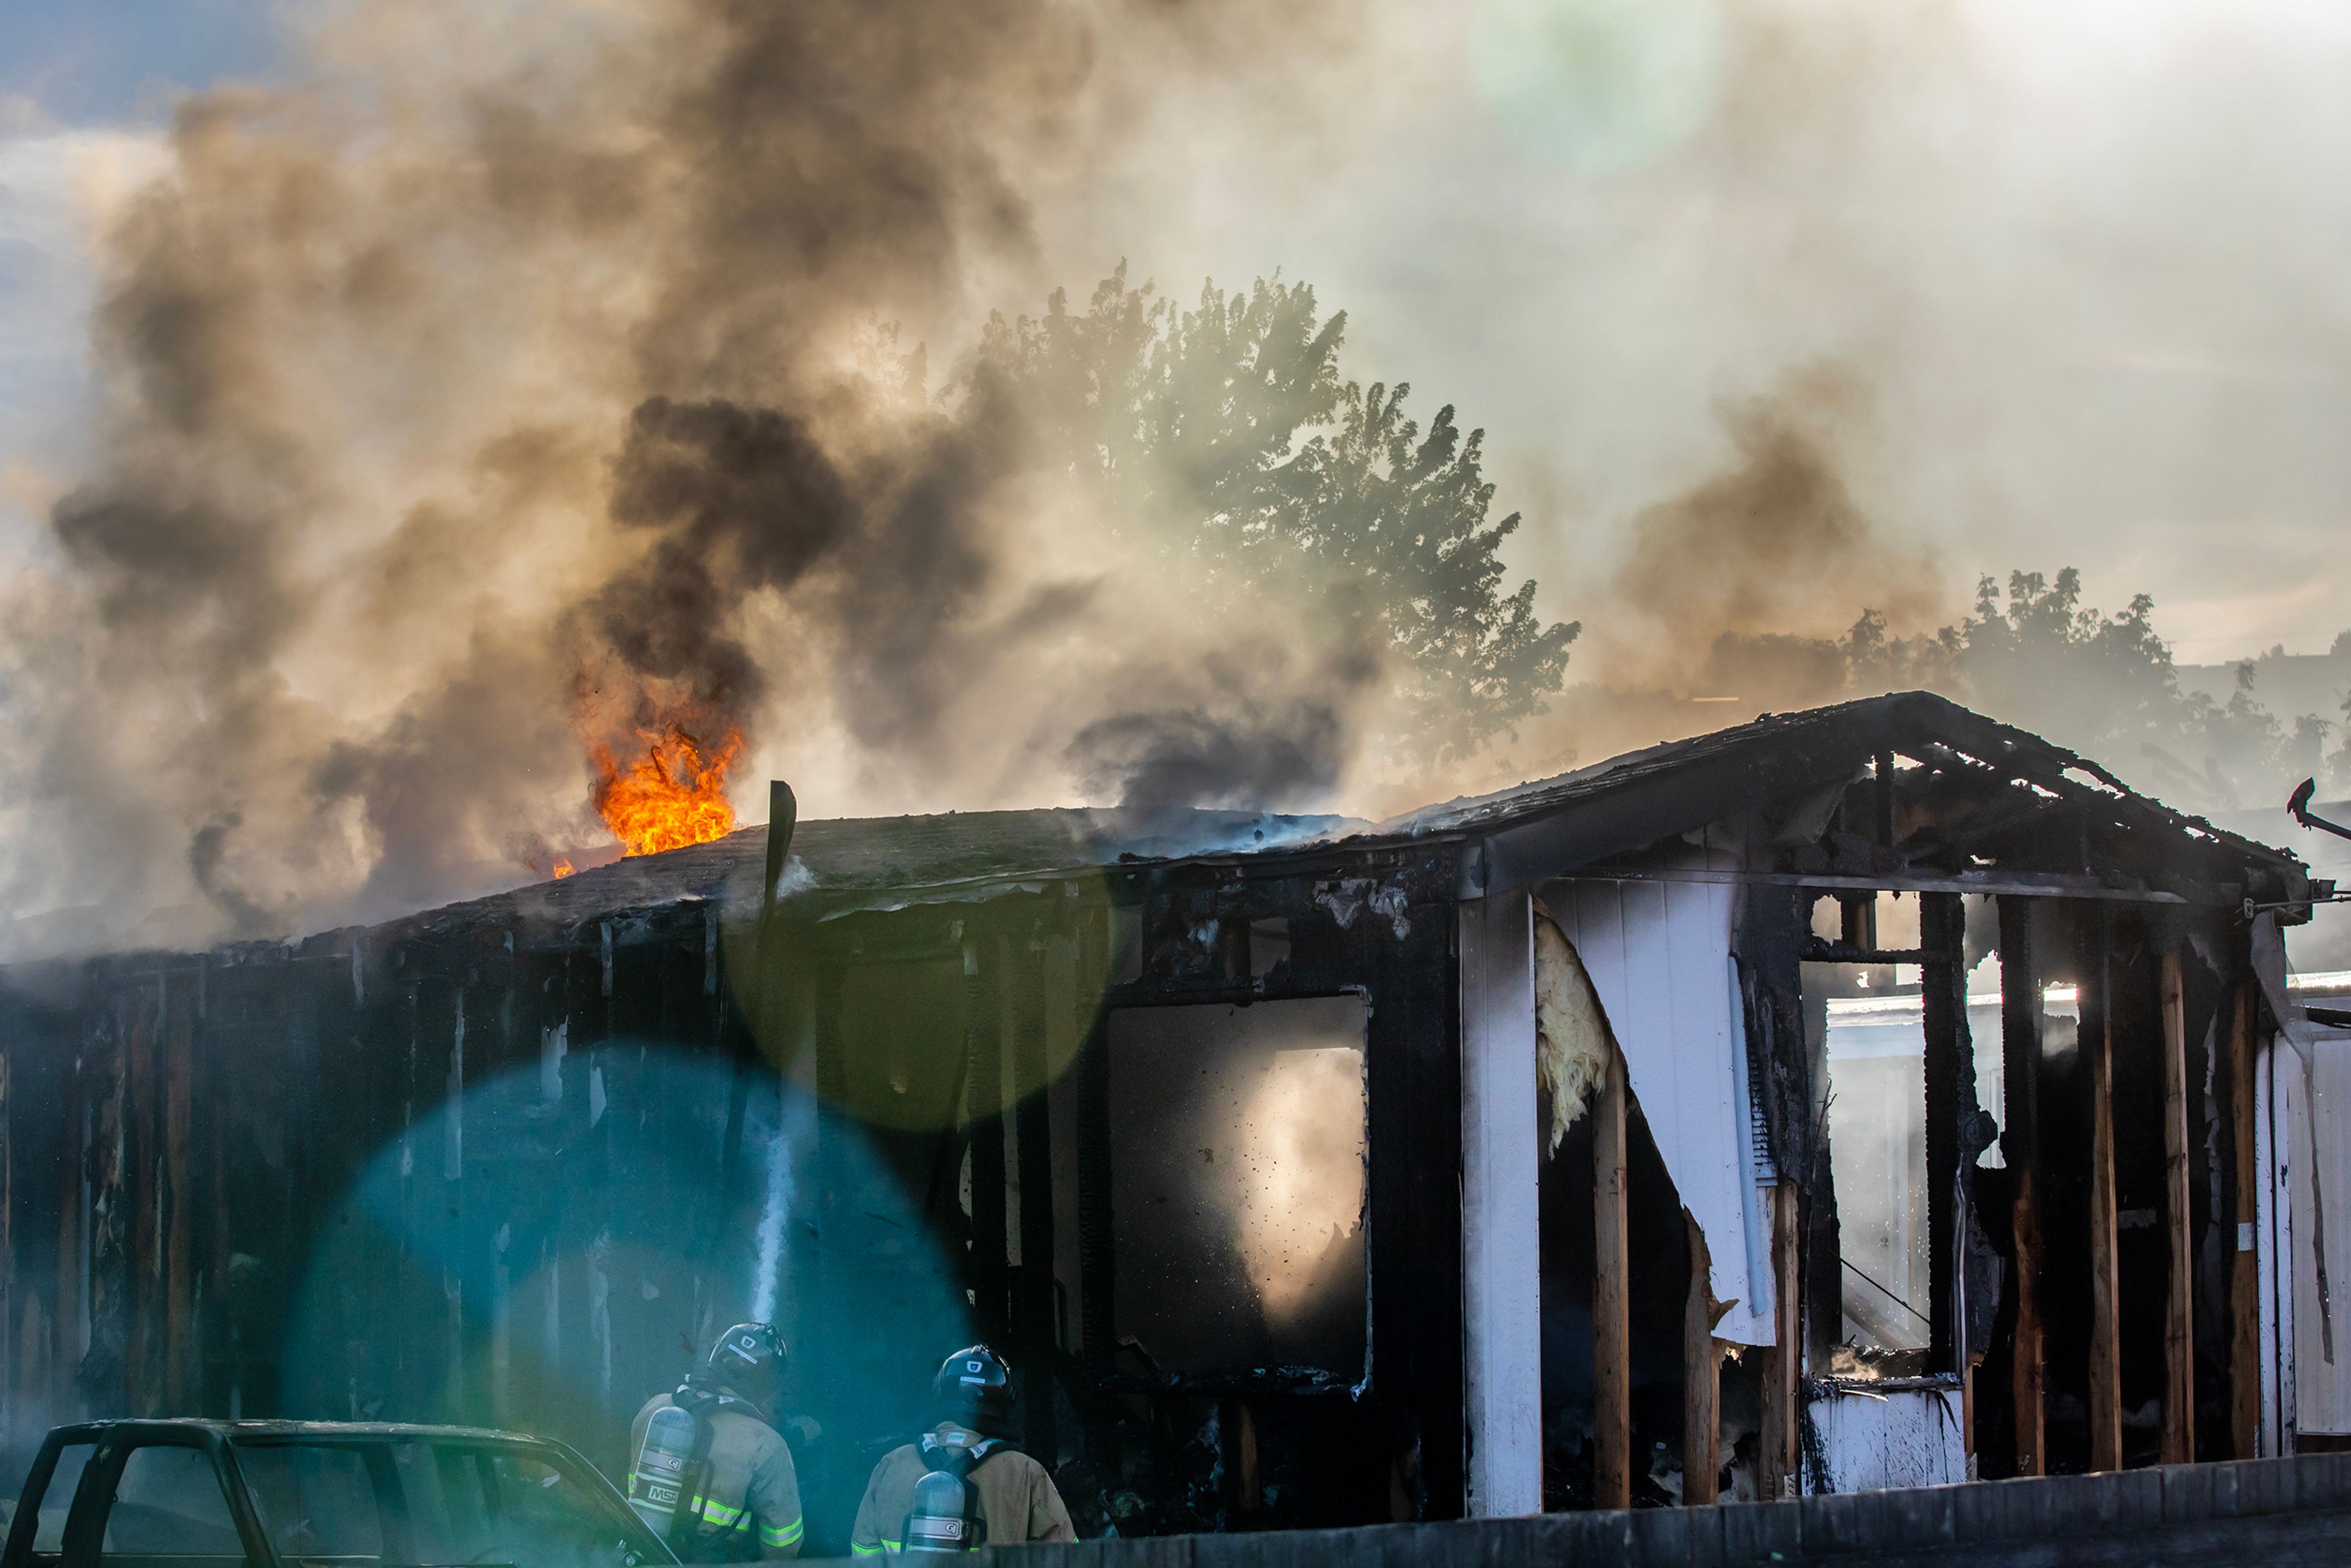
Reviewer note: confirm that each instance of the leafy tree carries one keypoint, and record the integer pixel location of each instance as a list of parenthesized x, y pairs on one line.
[(2104, 684), (1226, 435)]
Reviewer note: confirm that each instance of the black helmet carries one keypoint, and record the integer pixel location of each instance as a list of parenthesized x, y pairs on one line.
[(747, 1358), (973, 1387)]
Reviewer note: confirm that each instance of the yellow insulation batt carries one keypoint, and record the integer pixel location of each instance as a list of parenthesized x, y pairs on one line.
[(1572, 1038)]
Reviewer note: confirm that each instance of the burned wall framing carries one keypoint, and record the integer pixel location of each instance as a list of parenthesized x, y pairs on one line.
[(206, 1120), (1941, 823)]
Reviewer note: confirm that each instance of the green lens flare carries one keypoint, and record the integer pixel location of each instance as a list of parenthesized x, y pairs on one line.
[(1599, 86)]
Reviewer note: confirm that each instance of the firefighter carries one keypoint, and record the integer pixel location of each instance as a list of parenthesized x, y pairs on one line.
[(963, 1485), (706, 1469)]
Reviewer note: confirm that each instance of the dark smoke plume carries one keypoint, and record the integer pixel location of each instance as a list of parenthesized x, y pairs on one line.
[(1775, 544), (519, 380)]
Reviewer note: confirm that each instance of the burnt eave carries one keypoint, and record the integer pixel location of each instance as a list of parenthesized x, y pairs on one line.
[(2079, 821)]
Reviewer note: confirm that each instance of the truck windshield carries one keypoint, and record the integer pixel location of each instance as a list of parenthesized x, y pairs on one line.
[(425, 1503)]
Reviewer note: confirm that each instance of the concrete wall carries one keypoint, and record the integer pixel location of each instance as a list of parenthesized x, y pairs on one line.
[(2273, 1512)]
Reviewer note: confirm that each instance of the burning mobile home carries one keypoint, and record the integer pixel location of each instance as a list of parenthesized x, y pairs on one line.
[(1853, 1098)]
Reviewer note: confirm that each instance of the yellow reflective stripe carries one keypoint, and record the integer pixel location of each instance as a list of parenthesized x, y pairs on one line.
[(771, 1535), (862, 1550), (718, 1513)]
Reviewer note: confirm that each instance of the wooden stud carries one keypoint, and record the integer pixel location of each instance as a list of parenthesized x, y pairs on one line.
[(2105, 1338), (2020, 1028), (1857, 920), (1701, 1375), (1611, 1354), (2244, 1278), (2178, 1321), (1968, 1414), (1776, 1459), (1949, 1074), (1249, 1483)]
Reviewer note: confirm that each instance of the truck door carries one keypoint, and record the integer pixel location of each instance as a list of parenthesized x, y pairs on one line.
[(162, 1506), (38, 1536)]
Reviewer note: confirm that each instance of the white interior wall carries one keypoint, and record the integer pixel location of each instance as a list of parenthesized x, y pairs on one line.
[(2319, 1170)]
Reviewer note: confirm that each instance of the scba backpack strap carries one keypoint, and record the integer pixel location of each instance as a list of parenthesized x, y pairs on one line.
[(673, 1462), (946, 1515)]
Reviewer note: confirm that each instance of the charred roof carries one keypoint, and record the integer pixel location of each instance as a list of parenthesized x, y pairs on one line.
[(1975, 794), (1972, 797)]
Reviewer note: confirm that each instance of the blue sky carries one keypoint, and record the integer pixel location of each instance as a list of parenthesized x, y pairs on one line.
[(73, 75), (109, 62)]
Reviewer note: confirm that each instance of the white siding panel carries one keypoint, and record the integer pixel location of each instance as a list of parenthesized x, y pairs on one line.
[(1908, 1438), (2321, 1119), (1659, 955), (1501, 1239)]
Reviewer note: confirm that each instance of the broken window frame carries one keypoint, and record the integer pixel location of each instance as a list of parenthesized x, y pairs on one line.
[(1939, 960)]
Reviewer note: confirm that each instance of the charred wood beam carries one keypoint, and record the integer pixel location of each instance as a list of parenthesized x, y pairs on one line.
[(2179, 1319), (1820, 951), (2096, 969), (1784, 1362), (983, 976), (2020, 1032), (1882, 796), (1701, 1375), (1993, 823), (1856, 923), (2034, 885), (1033, 1118), (1950, 1117), (1771, 942), (1097, 1259), (1611, 1354), (2244, 1288), (1792, 1071)]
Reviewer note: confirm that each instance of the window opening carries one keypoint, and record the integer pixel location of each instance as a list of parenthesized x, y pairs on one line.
[(1875, 1039), (168, 1504), (314, 1501), (1238, 1138), (57, 1499), (1869, 1020)]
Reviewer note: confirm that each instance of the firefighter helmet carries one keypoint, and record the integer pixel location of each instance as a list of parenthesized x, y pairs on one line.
[(971, 1384), (747, 1358)]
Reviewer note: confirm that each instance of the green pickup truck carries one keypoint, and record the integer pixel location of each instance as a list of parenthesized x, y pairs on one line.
[(299, 1494)]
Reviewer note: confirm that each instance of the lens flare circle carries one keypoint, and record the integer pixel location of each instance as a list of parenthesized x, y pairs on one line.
[(556, 1244), (1599, 86)]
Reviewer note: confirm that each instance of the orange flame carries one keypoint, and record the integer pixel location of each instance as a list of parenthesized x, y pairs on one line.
[(562, 870), (672, 796)]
